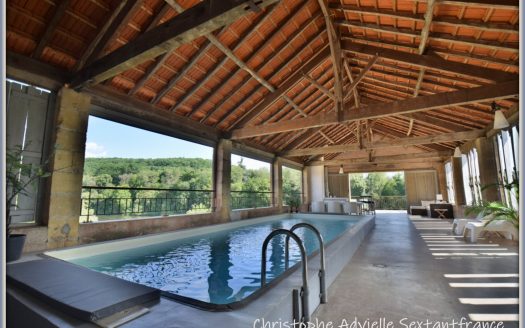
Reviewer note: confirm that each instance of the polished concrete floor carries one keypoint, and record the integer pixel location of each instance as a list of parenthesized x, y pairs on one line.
[(411, 270)]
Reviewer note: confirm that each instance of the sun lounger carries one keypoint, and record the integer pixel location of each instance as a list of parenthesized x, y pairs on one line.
[(473, 230)]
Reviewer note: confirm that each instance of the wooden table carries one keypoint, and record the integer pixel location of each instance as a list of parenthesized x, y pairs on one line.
[(441, 212)]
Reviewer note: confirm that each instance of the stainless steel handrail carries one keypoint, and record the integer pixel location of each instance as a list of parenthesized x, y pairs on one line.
[(305, 289), (322, 273)]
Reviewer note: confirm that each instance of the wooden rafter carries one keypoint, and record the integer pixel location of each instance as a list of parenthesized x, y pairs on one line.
[(464, 96), (284, 87), (337, 55), (119, 17), (411, 157), (50, 29), (430, 62), (397, 142), (191, 24), (254, 54), (425, 32)]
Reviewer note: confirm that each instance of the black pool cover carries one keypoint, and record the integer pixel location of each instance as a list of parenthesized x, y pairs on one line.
[(79, 292)]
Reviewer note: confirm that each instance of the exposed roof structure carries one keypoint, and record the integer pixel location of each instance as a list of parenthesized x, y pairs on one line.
[(291, 77)]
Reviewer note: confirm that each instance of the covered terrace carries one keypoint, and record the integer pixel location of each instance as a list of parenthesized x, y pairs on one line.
[(326, 87)]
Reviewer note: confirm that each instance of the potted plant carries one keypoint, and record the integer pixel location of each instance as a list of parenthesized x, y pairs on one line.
[(500, 210), (294, 204), (19, 176)]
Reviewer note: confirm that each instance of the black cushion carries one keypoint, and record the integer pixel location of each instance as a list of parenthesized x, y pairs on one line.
[(77, 291)]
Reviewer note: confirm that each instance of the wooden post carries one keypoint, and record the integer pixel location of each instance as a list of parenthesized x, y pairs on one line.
[(222, 176), (488, 171), (442, 180)]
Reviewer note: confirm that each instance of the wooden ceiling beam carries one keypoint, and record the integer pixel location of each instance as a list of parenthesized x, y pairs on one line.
[(386, 167), (430, 62), (446, 99), (404, 158), (374, 11), (337, 55), (292, 80), (349, 74), (377, 28), (199, 20), (498, 4), (119, 17), (385, 144), (254, 54), (217, 67), (50, 28), (363, 72), (283, 66), (425, 31), (473, 42)]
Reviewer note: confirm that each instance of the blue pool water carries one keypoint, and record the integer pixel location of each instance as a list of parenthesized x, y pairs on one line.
[(221, 267)]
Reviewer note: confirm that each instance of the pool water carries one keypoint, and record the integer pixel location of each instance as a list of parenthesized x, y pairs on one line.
[(221, 267)]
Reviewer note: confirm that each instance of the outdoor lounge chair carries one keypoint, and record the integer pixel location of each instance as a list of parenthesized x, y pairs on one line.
[(476, 229), (458, 226)]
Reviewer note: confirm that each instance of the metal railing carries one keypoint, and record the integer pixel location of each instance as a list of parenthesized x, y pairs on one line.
[(291, 197), (305, 290), (123, 202), (250, 199), (391, 203)]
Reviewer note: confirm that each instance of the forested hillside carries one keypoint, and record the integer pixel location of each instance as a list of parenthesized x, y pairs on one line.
[(170, 173)]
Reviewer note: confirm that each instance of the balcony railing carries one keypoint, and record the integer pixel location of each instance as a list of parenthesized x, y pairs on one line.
[(388, 202), (289, 197), (250, 199), (109, 203)]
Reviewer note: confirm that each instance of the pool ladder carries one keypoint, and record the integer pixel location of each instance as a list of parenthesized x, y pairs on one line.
[(304, 289)]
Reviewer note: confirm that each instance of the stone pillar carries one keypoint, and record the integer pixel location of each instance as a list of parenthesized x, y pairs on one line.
[(442, 181), (277, 183), (222, 174), (488, 170), (67, 165), (306, 187), (457, 173)]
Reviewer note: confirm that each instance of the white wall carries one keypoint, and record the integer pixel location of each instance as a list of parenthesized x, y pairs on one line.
[(316, 182)]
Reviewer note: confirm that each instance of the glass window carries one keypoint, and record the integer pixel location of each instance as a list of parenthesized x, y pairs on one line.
[(506, 143), (466, 180)]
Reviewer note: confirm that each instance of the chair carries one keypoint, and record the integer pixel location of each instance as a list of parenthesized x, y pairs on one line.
[(352, 208), (476, 229), (318, 207), (458, 225)]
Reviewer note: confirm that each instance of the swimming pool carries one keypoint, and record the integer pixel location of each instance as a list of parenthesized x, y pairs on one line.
[(217, 268)]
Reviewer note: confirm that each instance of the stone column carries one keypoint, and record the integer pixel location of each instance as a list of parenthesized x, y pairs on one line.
[(67, 165), (277, 183), (457, 173), (442, 181), (488, 170), (222, 174), (306, 186)]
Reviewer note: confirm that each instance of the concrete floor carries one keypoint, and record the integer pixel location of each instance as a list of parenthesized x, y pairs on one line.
[(394, 275)]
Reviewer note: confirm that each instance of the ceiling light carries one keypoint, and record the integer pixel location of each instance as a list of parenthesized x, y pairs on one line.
[(500, 122), (341, 171), (457, 152)]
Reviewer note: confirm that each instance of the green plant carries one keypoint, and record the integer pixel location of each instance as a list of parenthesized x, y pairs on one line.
[(499, 210), (19, 176)]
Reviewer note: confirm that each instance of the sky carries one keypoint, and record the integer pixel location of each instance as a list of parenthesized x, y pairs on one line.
[(109, 139)]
